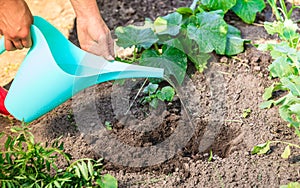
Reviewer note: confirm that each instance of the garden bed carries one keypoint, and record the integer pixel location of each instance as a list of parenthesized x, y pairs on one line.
[(216, 118)]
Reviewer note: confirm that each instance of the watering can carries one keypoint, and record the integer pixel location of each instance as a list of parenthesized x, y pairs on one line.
[(54, 70)]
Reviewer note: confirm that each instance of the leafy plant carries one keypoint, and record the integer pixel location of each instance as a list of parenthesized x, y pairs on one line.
[(25, 163), (154, 94), (188, 35), (285, 67)]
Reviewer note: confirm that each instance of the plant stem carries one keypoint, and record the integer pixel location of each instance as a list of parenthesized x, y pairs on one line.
[(134, 53), (194, 4), (287, 143), (156, 48)]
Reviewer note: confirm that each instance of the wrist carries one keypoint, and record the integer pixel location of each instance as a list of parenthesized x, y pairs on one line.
[(85, 8)]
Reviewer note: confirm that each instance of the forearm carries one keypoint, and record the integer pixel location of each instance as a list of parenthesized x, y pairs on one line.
[(85, 8)]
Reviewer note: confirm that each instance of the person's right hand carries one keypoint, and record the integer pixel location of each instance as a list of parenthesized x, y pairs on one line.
[(15, 22)]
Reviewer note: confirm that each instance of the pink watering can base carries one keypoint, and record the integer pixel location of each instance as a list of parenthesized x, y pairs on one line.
[(55, 69)]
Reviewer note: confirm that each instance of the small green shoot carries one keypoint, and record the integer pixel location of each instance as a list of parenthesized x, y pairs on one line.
[(211, 156), (246, 113), (108, 125)]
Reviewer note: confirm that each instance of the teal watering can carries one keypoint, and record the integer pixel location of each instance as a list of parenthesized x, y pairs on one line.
[(54, 70)]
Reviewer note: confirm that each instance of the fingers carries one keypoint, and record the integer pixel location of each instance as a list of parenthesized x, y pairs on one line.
[(27, 42), (13, 44)]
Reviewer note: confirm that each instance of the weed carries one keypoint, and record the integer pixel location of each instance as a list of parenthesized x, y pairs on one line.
[(25, 163)]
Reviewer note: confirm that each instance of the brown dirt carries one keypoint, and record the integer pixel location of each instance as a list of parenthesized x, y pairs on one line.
[(214, 102)]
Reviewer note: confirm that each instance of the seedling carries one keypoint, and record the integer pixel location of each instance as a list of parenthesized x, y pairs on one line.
[(108, 125), (154, 94), (246, 113)]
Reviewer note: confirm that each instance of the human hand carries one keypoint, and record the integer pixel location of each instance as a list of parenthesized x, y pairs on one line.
[(94, 36), (15, 22)]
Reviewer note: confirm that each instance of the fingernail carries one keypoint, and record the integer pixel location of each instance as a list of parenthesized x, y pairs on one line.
[(110, 58)]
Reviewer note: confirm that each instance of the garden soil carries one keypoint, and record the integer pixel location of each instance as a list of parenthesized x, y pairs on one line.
[(218, 111)]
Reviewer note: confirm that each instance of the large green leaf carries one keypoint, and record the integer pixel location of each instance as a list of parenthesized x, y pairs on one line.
[(281, 68), (235, 44), (224, 5), (247, 9), (188, 46), (169, 24), (172, 60), (135, 36), (210, 32)]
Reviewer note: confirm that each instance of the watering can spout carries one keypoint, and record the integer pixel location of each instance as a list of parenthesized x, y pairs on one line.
[(54, 70)]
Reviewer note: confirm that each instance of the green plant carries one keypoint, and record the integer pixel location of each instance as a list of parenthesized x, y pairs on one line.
[(188, 35), (265, 148), (25, 163), (154, 94), (285, 68), (291, 185)]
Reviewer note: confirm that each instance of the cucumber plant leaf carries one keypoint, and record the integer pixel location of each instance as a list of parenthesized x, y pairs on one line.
[(172, 60), (135, 36), (235, 44), (166, 94), (224, 5), (169, 24), (209, 32), (247, 9)]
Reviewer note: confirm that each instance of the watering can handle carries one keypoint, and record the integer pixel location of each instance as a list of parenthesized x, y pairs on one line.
[(2, 46)]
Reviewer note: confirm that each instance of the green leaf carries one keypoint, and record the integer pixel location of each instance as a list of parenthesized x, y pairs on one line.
[(172, 60), (224, 5), (90, 168), (185, 11), (107, 181), (286, 153), (210, 32), (166, 94), (295, 108), (247, 9), (169, 24), (151, 88), (266, 104), (268, 92), (274, 27), (199, 59), (235, 44), (154, 103), (261, 148), (134, 36), (83, 170), (293, 84), (281, 68)]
